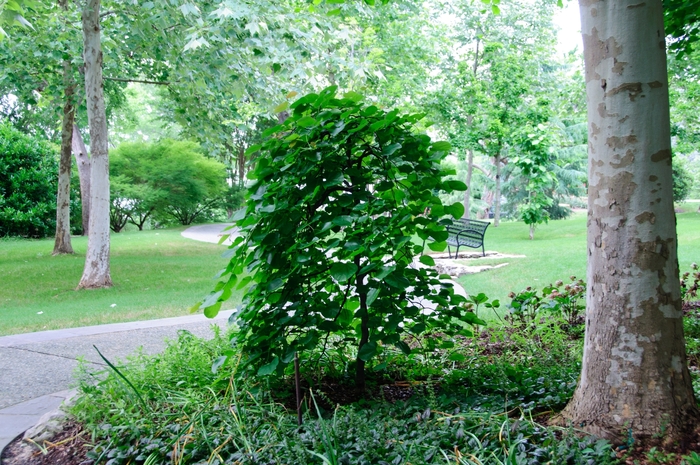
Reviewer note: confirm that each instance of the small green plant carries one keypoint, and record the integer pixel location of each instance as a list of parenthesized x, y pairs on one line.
[(689, 284), (659, 457), (569, 300), (523, 308), (339, 190), (692, 459), (474, 301)]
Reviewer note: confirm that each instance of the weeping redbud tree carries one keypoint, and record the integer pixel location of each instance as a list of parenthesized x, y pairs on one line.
[(339, 192)]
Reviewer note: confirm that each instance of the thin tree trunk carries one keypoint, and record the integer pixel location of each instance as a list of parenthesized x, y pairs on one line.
[(497, 195), (360, 378), (468, 192), (96, 272), (83, 161), (634, 380), (62, 244), (241, 166)]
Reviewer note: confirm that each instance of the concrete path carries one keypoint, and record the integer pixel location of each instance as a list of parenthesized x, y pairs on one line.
[(209, 232), (36, 369)]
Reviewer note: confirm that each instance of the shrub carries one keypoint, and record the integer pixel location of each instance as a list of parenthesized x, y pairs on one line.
[(28, 183), (339, 191)]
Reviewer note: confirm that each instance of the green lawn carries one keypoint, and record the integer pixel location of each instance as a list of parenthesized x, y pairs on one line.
[(557, 252), (156, 274), (161, 274)]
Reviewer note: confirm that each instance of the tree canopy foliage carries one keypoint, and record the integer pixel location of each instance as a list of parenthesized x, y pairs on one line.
[(682, 23), (169, 178)]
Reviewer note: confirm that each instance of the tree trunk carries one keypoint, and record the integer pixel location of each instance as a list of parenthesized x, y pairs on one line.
[(96, 272), (468, 192), (241, 166), (360, 375), (83, 161), (634, 380), (62, 244), (497, 195)]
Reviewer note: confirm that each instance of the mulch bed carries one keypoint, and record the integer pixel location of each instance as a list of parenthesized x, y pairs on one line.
[(69, 447)]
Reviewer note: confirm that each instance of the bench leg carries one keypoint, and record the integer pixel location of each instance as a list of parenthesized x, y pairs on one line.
[(483, 252), (449, 251), (457, 252)]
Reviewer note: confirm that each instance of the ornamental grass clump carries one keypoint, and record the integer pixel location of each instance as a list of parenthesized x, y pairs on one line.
[(326, 247)]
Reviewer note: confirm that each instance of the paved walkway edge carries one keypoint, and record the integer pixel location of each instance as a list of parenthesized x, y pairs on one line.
[(53, 335), (18, 418)]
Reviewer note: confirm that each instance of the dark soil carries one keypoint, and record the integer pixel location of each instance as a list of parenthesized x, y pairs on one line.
[(689, 306), (69, 447)]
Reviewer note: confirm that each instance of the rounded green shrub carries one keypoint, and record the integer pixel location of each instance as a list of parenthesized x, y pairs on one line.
[(28, 177)]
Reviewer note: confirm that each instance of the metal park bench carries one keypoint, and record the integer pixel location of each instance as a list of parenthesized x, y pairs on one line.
[(466, 232)]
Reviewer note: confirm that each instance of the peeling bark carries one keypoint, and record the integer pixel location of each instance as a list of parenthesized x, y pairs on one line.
[(62, 243), (634, 380), (96, 273)]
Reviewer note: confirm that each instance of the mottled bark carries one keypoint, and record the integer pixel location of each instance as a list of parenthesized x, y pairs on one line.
[(634, 380), (62, 243), (83, 161), (96, 273)]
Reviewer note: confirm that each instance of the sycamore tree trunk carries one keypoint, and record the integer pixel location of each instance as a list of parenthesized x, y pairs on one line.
[(62, 244), (96, 272), (634, 380), (83, 161)]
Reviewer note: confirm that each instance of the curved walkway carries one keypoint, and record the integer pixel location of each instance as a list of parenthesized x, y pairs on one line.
[(36, 369), (209, 232)]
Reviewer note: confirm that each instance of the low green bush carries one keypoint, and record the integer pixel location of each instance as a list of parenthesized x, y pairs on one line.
[(28, 183), (181, 407)]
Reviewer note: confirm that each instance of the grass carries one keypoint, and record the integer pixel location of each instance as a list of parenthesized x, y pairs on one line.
[(160, 274), (156, 274), (557, 252)]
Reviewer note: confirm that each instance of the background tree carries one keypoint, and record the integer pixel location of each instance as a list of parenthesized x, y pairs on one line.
[(498, 74), (634, 380), (171, 179), (96, 272), (533, 161)]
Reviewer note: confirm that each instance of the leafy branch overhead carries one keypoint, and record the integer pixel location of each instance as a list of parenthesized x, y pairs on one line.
[(339, 192)]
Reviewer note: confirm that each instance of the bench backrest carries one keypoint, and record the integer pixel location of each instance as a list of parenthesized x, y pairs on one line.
[(469, 228)]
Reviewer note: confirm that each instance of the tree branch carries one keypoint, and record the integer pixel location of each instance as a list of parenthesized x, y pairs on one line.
[(142, 81)]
